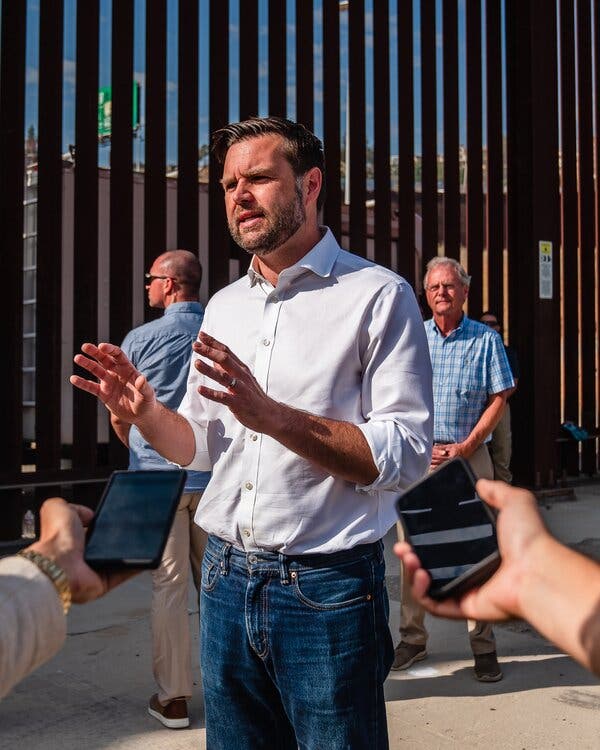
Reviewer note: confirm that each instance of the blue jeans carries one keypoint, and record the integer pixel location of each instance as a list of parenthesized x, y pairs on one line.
[(294, 650)]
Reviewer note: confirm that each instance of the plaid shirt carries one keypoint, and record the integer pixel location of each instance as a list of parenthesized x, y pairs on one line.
[(469, 365)]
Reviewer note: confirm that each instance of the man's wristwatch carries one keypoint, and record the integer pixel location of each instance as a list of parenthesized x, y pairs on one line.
[(54, 572)]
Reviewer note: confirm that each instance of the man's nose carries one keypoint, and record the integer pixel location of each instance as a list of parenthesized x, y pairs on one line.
[(242, 193)]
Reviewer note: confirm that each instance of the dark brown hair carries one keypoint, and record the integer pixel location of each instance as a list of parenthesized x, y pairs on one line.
[(302, 149)]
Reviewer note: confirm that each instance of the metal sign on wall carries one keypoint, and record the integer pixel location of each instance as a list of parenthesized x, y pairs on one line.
[(545, 249)]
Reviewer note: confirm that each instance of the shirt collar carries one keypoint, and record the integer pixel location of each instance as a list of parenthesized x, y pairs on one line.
[(459, 327), (178, 307), (319, 260)]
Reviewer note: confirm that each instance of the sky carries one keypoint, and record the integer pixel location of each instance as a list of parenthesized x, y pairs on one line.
[(31, 113)]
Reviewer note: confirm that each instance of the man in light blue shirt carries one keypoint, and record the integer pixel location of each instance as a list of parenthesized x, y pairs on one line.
[(471, 381), (161, 350)]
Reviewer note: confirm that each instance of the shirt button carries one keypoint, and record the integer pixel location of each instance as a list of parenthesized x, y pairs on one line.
[(246, 532), (266, 342), (254, 436), (249, 485)]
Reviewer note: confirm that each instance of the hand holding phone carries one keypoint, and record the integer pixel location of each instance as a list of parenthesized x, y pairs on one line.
[(451, 530), (133, 519)]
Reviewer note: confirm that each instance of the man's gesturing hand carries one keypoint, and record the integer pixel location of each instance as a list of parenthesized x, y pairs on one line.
[(120, 387), (244, 397)]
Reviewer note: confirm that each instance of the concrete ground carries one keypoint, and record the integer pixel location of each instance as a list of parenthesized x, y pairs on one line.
[(93, 694)]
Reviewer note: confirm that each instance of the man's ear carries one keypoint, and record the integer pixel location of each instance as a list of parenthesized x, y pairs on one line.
[(169, 285), (312, 183)]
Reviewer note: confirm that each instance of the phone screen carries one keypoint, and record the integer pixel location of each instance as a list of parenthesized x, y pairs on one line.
[(134, 518), (450, 528)]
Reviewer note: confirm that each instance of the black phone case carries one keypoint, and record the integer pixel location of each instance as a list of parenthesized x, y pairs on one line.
[(479, 572), (134, 563)]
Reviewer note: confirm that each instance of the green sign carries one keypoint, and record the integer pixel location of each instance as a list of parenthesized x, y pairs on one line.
[(105, 110)]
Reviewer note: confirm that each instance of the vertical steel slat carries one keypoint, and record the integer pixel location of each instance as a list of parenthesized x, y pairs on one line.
[(218, 237), (474, 196), (121, 177), (358, 134), (381, 100), (187, 127), (248, 97), (406, 146), (532, 109), (586, 228), (596, 58), (85, 244), (429, 191), (304, 63), (495, 199), (519, 208), (12, 127), (331, 116), (570, 229), (546, 227), (155, 181), (121, 190), (277, 58), (451, 184), (49, 257), (248, 59)]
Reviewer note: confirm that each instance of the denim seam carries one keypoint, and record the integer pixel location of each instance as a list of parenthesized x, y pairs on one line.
[(261, 630), (265, 615), (376, 642), (206, 582)]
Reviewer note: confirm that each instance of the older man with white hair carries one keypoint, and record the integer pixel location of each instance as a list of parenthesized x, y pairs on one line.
[(471, 381)]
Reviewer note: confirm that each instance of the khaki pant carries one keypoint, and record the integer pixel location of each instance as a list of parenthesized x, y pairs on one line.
[(501, 447), (412, 615), (169, 618)]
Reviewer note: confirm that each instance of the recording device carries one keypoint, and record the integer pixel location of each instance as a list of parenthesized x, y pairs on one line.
[(451, 530), (133, 519)]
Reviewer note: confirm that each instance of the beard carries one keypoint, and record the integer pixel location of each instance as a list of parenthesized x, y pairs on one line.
[(281, 223)]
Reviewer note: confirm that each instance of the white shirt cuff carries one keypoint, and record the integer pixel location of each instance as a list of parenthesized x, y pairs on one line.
[(400, 456)]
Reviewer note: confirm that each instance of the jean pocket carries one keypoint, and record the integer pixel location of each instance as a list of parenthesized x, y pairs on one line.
[(210, 574), (334, 588)]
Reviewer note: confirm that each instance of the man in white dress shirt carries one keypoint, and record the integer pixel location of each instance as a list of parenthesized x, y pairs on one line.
[(309, 397)]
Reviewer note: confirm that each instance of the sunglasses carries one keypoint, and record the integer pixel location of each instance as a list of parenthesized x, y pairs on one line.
[(149, 277)]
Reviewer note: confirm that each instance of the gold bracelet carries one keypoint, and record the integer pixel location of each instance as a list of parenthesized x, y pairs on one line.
[(54, 572)]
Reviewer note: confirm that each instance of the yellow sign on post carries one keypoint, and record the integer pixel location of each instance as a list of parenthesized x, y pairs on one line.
[(546, 278)]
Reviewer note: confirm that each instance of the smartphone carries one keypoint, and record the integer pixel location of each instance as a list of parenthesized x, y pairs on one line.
[(452, 531), (133, 519)]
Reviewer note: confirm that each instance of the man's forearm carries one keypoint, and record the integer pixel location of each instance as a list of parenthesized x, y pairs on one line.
[(169, 434), (338, 447), (121, 429), (562, 600), (486, 424)]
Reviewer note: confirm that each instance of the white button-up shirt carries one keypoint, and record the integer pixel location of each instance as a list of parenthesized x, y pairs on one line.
[(339, 337)]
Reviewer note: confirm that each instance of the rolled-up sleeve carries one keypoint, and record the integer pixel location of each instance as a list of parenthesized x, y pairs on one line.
[(397, 390), (192, 409)]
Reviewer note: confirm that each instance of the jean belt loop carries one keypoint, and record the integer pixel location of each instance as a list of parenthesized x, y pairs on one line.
[(225, 555), (284, 573)]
